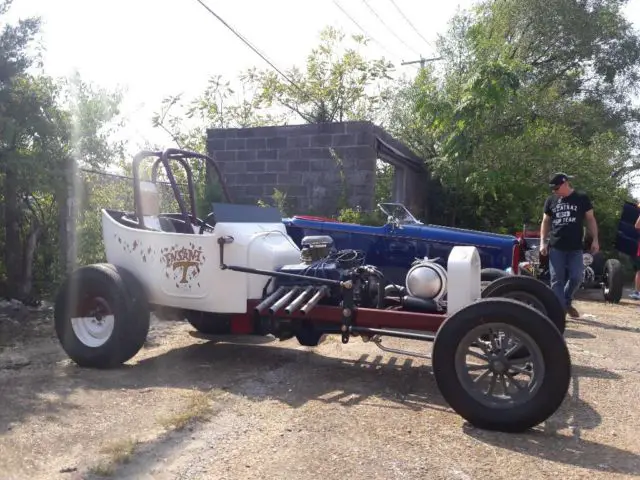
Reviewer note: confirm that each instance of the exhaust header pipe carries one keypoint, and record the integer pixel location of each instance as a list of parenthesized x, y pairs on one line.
[(295, 305), (262, 306), (322, 292), (283, 301)]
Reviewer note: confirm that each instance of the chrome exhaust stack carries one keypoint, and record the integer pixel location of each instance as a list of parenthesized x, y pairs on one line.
[(322, 292), (267, 302), (297, 303), (283, 301)]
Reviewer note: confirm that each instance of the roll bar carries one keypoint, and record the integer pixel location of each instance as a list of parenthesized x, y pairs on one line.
[(165, 157)]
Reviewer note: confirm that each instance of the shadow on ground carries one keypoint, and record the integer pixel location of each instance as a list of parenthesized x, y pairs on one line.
[(258, 371), (248, 368), (595, 295), (547, 443), (577, 334), (563, 449), (604, 326)]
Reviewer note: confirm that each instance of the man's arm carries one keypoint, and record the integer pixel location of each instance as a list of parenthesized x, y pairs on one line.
[(544, 233), (637, 225), (544, 227), (591, 224), (592, 227)]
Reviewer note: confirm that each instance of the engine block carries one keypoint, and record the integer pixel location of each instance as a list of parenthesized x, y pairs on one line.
[(337, 266), (318, 279)]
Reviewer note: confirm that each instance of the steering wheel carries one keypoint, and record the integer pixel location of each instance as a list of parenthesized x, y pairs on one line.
[(208, 224)]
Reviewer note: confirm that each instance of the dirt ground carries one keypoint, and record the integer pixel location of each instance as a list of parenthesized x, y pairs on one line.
[(188, 407)]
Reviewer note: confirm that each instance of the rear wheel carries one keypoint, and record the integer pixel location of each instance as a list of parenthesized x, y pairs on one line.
[(612, 280), (101, 316), (532, 292), (499, 390)]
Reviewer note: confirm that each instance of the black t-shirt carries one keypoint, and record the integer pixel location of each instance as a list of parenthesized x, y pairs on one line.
[(567, 220)]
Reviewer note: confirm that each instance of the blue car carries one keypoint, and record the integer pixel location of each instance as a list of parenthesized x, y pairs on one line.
[(394, 246)]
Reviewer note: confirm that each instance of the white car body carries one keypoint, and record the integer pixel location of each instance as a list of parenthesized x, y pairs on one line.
[(182, 270)]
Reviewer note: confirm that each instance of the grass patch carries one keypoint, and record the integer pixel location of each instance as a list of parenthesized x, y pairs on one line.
[(198, 408), (121, 451), (103, 469), (117, 453)]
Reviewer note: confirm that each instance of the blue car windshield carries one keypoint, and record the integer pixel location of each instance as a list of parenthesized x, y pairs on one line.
[(397, 212)]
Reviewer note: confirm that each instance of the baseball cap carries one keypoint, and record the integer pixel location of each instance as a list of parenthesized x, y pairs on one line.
[(558, 179)]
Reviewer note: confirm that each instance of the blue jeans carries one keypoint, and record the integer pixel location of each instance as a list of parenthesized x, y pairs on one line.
[(563, 264)]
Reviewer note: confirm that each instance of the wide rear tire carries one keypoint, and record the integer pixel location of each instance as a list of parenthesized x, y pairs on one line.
[(101, 316), (531, 291), (537, 394)]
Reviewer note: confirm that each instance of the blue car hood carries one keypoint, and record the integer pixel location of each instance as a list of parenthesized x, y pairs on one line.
[(459, 235), (437, 233)]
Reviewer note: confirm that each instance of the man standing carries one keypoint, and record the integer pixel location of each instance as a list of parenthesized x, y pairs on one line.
[(636, 266), (565, 213)]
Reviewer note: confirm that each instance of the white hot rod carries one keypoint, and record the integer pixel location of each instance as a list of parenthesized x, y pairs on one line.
[(500, 363)]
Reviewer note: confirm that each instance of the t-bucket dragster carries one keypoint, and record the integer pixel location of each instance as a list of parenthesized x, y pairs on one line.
[(499, 363)]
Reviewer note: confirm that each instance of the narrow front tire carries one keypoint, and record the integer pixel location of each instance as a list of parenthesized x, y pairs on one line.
[(501, 391)]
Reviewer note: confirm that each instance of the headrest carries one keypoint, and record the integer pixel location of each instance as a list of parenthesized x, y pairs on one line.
[(149, 199)]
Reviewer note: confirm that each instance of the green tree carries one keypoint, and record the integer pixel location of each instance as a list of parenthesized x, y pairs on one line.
[(219, 106), (20, 120), (48, 128), (91, 118), (186, 122), (337, 84), (528, 88)]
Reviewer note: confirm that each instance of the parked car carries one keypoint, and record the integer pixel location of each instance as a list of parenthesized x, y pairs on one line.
[(394, 246)]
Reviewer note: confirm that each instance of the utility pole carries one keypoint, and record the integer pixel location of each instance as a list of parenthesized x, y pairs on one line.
[(422, 61)]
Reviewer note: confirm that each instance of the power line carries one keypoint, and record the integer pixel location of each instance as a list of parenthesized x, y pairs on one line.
[(363, 30), (411, 24), (387, 27), (248, 43)]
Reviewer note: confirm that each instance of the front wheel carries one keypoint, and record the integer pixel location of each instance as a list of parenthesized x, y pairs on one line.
[(499, 390), (101, 316)]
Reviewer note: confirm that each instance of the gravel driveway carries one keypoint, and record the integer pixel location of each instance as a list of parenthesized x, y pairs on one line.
[(188, 407)]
